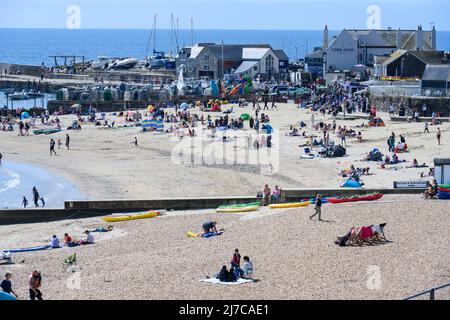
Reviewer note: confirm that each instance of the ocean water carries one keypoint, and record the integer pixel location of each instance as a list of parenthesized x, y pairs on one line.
[(26, 104), (34, 46), (17, 180)]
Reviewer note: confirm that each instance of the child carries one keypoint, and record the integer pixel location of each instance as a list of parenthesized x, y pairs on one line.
[(25, 202), (6, 284), (248, 267), (42, 201), (59, 143)]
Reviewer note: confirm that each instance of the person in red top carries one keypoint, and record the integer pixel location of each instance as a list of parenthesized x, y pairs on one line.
[(236, 263)]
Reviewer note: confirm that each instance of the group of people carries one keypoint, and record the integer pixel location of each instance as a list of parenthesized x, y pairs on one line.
[(69, 241), (270, 196), (34, 285), (36, 199), (235, 272)]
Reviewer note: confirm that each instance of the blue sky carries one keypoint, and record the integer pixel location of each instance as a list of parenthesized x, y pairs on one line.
[(226, 14)]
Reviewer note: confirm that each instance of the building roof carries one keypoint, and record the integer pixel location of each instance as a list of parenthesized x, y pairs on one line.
[(437, 72), (316, 54), (254, 53), (281, 54), (245, 66), (428, 57), (389, 37)]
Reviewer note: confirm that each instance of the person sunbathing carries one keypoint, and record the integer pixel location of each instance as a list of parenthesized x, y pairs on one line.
[(223, 275)]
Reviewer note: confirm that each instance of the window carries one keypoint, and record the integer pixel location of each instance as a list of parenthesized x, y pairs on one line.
[(255, 68), (206, 67), (206, 57), (269, 64)]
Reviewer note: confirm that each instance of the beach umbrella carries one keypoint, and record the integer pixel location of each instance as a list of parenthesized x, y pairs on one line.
[(245, 116), (75, 106), (184, 106), (150, 108), (24, 115)]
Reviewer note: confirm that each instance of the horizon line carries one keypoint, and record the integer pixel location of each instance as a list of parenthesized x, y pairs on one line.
[(199, 29)]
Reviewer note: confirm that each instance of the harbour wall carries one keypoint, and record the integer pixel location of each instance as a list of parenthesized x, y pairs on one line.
[(92, 208)]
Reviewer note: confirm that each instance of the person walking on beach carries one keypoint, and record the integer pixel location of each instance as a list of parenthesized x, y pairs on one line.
[(426, 128), (42, 201), (438, 136), (318, 207), (67, 141), (35, 197), (135, 142), (6, 285), (24, 202), (52, 147), (35, 282), (1, 156)]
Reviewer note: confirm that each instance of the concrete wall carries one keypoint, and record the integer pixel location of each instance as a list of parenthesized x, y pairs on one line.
[(85, 209), (434, 103)]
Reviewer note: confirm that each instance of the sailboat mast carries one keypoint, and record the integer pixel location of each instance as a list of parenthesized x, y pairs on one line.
[(154, 35), (176, 39), (192, 31), (171, 33)]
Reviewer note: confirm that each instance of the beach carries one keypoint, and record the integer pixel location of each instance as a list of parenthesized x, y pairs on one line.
[(105, 164), (293, 257)]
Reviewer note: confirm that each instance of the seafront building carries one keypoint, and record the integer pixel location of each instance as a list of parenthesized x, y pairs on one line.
[(353, 47), (213, 61)]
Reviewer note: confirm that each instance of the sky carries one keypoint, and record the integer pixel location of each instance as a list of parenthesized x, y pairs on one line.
[(225, 14)]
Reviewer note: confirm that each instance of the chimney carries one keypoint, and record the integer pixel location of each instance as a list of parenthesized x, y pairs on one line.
[(419, 39), (398, 39), (433, 39), (325, 37)]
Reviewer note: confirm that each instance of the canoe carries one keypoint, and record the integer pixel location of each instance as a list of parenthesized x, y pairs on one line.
[(252, 204), (363, 198), (45, 131), (237, 209), (150, 214), (444, 195), (446, 186), (289, 205), (30, 249), (442, 189)]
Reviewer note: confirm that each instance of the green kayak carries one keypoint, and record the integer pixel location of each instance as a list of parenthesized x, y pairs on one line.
[(239, 205), (446, 186)]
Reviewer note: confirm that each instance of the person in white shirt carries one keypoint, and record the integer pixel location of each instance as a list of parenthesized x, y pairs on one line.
[(55, 242), (89, 239), (248, 267)]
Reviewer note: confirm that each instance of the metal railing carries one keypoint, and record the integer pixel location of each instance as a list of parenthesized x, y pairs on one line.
[(431, 292)]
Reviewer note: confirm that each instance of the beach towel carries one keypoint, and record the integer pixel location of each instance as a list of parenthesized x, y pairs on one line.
[(217, 281)]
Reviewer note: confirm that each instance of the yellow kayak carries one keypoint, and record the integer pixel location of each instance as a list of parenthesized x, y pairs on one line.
[(237, 209), (150, 214), (289, 205)]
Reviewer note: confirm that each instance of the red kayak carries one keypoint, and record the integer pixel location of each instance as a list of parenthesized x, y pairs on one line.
[(443, 189), (363, 198)]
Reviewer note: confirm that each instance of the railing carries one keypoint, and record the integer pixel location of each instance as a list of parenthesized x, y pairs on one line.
[(431, 292)]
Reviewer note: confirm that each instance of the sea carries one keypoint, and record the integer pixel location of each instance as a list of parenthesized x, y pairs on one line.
[(17, 180), (35, 46)]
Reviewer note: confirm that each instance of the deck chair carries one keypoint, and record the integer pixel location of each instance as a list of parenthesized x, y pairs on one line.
[(354, 237), (5, 257)]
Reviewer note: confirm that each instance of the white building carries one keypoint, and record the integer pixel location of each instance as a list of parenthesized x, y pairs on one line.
[(353, 47)]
